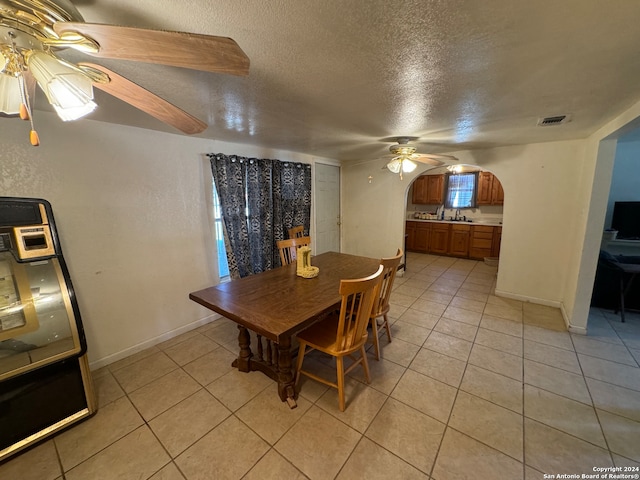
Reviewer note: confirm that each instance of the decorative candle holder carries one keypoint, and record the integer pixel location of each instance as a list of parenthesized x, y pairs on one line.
[(303, 263)]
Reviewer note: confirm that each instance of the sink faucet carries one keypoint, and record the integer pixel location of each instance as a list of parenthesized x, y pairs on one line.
[(457, 214)]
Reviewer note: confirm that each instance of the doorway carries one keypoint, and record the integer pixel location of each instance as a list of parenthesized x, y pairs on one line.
[(327, 208)]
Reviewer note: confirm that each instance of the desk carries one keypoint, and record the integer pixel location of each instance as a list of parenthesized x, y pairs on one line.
[(632, 270), (277, 304)]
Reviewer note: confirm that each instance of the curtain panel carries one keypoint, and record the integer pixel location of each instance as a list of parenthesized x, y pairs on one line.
[(260, 200)]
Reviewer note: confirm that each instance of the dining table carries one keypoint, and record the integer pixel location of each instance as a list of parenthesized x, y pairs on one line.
[(275, 305)]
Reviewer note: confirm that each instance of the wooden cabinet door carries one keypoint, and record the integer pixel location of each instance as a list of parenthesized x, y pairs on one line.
[(485, 180), (439, 239), (459, 240), (435, 184), (423, 236), (497, 238), (410, 230), (497, 193), (420, 187), (490, 190)]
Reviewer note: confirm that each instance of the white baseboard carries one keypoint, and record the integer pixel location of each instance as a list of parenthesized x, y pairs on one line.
[(578, 330), (540, 301), (103, 362)]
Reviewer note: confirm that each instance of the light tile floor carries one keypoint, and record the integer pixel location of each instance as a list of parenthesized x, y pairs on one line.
[(472, 387)]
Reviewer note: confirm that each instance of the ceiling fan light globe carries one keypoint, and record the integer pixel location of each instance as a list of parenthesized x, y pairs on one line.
[(10, 98), (408, 166), (67, 88), (395, 165), (3, 62), (74, 113)]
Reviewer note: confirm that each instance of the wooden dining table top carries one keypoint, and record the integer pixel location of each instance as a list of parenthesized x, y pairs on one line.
[(278, 303)]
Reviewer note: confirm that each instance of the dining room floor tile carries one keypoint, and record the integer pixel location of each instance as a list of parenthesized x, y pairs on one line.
[(472, 385)]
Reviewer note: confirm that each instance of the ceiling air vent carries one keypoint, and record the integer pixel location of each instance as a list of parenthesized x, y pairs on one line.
[(555, 120)]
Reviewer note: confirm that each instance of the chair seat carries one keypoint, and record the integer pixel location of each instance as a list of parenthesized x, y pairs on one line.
[(322, 336)]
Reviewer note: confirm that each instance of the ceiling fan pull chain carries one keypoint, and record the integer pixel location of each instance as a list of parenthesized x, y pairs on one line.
[(25, 105), (25, 111)]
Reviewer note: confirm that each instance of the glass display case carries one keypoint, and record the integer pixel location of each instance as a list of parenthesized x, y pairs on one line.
[(37, 324), (45, 383)]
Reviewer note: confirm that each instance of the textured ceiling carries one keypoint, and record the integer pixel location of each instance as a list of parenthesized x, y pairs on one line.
[(338, 78)]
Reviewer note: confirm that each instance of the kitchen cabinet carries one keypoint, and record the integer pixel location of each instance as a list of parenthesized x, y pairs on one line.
[(435, 186), (481, 241), (455, 239), (497, 238), (489, 190), (418, 238), (423, 237), (497, 193), (410, 230), (459, 240), (428, 189), (419, 194), (439, 238)]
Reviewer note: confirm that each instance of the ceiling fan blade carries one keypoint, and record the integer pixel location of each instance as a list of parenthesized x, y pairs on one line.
[(148, 102), (428, 160), (180, 49), (438, 156)]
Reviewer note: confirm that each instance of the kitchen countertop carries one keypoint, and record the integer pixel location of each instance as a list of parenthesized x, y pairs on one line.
[(473, 222)]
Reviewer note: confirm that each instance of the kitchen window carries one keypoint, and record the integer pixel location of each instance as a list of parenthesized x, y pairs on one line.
[(461, 190)]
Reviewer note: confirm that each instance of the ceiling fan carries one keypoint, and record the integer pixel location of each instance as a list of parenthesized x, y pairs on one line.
[(404, 157), (34, 32)]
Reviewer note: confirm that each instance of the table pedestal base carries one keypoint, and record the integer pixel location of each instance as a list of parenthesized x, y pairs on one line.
[(274, 360)]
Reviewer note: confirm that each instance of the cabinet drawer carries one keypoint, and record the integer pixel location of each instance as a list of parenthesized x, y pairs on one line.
[(479, 253), (483, 229), (441, 227), (482, 243), (487, 235)]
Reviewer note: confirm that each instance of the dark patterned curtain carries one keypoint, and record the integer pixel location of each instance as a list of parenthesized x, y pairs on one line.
[(260, 200)]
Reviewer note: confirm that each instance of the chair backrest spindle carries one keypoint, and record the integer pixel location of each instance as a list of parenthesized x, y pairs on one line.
[(296, 232), (390, 266), (358, 297), (289, 248)]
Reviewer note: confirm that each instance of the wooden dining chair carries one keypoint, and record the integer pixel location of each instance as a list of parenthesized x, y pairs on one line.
[(289, 248), (295, 232), (342, 334), (381, 305)]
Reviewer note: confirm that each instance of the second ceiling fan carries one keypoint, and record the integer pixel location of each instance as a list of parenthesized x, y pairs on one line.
[(405, 157)]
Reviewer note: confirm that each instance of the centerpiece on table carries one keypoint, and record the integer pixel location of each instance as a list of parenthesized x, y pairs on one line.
[(304, 267)]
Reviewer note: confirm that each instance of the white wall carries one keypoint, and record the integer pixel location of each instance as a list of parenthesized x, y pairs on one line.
[(133, 209)]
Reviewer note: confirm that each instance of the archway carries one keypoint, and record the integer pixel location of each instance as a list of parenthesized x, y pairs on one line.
[(432, 226)]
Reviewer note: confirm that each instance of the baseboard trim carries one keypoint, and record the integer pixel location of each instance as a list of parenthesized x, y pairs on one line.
[(540, 301), (103, 362), (578, 330)]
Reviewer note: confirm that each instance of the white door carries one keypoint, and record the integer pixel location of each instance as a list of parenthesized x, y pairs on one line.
[(327, 193)]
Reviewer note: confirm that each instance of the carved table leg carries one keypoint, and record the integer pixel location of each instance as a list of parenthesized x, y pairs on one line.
[(243, 362), (286, 386)]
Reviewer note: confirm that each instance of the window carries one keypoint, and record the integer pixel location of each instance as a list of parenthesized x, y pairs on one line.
[(461, 190), (223, 266)]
